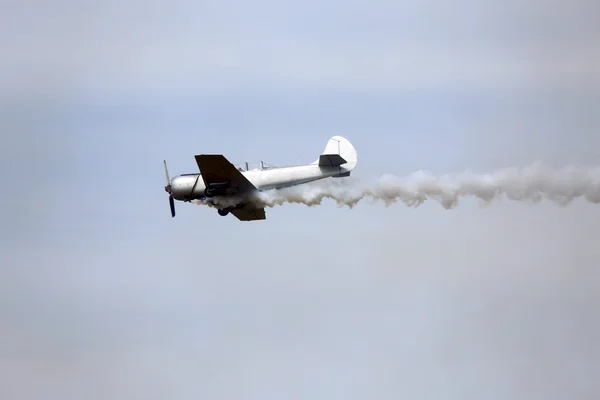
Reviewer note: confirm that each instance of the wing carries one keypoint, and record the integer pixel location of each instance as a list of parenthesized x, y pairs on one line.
[(214, 169), (249, 213)]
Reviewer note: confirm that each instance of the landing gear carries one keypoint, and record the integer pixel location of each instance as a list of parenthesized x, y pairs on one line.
[(223, 211)]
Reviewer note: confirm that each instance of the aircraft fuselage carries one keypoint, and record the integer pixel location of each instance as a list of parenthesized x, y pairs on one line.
[(189, 187)]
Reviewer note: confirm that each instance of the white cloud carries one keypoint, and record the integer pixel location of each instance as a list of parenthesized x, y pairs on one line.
[(103, 295), (79, 51), (427, 302)]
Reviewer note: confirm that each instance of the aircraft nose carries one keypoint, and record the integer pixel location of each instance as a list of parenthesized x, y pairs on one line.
[(180, 187), (174, 186)]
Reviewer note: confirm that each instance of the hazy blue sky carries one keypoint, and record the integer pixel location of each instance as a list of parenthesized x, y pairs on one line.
[(103, 295)]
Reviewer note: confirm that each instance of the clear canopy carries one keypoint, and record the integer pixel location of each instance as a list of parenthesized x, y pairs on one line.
[(252, 166)]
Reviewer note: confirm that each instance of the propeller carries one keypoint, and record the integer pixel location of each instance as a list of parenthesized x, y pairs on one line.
[(168, 190)]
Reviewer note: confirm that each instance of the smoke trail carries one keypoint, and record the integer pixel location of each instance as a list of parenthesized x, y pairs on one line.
[(532, 184)]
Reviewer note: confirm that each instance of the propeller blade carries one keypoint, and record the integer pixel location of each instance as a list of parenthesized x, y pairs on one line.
[(172, 204), (168, 190), (167, 173)]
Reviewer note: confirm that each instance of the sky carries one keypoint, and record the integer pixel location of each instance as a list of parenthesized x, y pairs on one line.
[(103, 295)]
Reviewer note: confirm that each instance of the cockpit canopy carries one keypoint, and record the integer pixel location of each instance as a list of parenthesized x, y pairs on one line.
[(245, 166), (253, 166)]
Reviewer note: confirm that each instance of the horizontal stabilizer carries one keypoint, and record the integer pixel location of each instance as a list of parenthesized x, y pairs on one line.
[(331, 160), (342, 175)]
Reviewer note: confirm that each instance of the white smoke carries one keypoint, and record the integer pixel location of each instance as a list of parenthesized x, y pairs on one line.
[(532, 184)]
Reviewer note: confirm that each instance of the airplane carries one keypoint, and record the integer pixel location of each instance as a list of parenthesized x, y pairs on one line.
[(220, 179)]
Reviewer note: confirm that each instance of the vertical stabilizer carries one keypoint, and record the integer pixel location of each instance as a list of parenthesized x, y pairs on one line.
[(338, 152)]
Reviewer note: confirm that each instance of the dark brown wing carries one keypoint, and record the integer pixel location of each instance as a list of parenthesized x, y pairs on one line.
[(215, 168), (249, 213)]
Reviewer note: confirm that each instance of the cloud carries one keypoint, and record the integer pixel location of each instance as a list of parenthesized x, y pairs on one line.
[(75, 51), (428, 303), (102, 294)]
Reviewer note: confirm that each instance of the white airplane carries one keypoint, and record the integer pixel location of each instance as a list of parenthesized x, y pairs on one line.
[(221, 179)]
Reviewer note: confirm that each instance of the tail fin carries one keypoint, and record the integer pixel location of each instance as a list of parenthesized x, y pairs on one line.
[(338, 152)]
